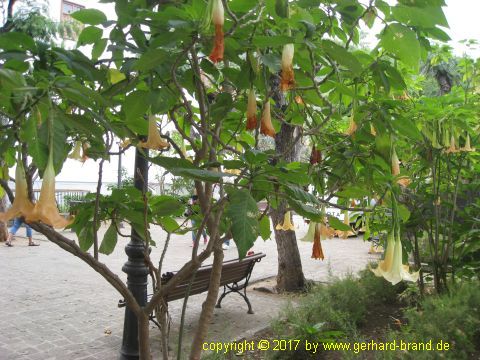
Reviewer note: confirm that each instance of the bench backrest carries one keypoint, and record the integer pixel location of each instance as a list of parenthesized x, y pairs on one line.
[(233, 271)]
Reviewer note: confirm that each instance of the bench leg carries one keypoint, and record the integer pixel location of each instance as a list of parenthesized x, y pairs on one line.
[(244, 296)]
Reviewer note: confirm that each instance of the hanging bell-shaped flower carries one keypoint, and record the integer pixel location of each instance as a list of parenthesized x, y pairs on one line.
[(76, 152), (251, 110), (452, 148), (310, 232), (317, 251), (395, 163), (346, 221), (218, 18), (287, 223), (154, 140), (287, 75), (467, 146), (372, 130), (46, 209), (266, 127), (22, 206), (315, 156), (392, 268), (352, 127)]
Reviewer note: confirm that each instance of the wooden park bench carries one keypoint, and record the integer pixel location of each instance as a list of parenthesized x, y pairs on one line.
[(236, 274)]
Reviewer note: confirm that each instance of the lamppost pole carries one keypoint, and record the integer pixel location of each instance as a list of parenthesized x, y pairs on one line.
[(135, 268)]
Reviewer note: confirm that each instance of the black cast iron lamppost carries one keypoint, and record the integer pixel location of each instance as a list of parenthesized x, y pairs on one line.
[(135, 268)]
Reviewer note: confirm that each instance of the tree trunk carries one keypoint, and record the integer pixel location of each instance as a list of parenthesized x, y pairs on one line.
[(290, 274), (144, 337), (207, 307), (3, 226)]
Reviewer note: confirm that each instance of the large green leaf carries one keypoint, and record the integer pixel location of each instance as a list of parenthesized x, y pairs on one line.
[(402, 42), (16, 41), (109, 240), (262, 41), (85, 237), (265, 231), (89, 35), (427, 17), (333, 222), (243, 213), (342, 56), (89, 16), (183, 167), (304, 210)]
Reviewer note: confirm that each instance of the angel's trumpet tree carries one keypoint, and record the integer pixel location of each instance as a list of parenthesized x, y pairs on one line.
[(218, 18), (287, 75), (46, 209), (251, 110), (22, 206), (154, 140), (287, 223), (266, 127)]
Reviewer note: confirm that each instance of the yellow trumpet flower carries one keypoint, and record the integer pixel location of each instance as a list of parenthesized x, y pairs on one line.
[(75, 154), (391, 268), (467, 146), (287, 223), (251, 110), (352, 127), (395, 163), (22, 206), (452, 148), (46, 209), (154, 140)]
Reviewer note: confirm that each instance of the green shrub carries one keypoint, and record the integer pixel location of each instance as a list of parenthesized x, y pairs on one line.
[(454, 318), (379, 290)]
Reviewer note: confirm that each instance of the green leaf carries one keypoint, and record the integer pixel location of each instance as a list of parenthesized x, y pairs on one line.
[(89, 16), (183, 167), (342, 56), (407, 128), (402, 42), (297, 193), (136, 104), (151, 59), (85, 238), (265, 231), (262, 41), (89, 35), (169, 224), (99, 48), (427, 17), (165, 205), (109, 240), (304, 210), (337, 224), (243, 213), (16, 41)]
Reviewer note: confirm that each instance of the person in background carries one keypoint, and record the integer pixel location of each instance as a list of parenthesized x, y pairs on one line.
[(13, 230)]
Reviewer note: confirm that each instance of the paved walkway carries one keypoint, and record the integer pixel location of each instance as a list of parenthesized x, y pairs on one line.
[(53, 306)]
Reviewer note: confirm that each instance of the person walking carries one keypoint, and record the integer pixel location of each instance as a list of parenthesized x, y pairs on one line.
[(17, 222)]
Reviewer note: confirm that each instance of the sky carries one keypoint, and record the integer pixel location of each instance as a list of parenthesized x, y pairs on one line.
[(462, 16)]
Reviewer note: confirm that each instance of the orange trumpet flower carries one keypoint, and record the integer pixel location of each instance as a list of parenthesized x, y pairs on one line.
[(317, 251), (22, 206), (251, 110), (288, 76), (218, 19), (266, 127)]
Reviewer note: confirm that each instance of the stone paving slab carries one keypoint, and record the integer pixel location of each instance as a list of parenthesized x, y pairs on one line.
[(53, 306)]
